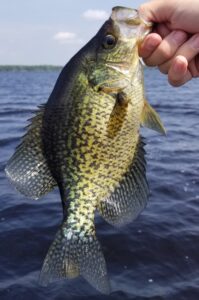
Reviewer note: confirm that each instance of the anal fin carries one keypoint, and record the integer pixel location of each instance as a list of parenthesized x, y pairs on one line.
[(27, 169), (130, 197)]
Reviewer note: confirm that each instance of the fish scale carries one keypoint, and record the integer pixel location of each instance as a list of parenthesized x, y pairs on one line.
[(86, 141)]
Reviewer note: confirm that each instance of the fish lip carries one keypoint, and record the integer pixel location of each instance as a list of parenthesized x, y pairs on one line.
[(132, 12), (145, 28), (146, 25), (132, 17), (122, 14)]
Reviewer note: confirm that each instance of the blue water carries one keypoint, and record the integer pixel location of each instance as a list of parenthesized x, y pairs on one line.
[(157, 256)]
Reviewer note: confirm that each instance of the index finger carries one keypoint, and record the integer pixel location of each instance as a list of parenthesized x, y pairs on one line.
[(150, 43)]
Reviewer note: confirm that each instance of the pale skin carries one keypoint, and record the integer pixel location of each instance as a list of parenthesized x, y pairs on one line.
[(173, 45)]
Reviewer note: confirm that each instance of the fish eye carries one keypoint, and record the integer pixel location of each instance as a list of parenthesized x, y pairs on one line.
[(109, 41)]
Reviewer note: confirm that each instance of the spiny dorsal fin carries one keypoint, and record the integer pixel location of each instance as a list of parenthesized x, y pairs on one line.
[(151, 119), (27, 169), (130, 197)]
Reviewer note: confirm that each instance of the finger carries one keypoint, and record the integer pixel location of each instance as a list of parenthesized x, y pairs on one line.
[(150, 43), (189, 50), (167, 48), (178, 73), (194, 66), (162, 29)]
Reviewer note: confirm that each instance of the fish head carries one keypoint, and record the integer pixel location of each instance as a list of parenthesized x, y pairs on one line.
[(119, 38)]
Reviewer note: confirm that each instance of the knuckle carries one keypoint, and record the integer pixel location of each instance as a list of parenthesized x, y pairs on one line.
[(160, 56), (166, 54), (178, 37), (163, 54)]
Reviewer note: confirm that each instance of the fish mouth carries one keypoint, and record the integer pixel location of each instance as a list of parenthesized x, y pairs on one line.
[(124, 14), (131, 18)]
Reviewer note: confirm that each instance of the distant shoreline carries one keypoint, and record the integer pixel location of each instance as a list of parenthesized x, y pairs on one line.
[(32, 68), (29, 67)]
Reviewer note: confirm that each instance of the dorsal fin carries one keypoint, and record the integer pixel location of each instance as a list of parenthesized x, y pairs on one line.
[(151, 119), (27, 169)]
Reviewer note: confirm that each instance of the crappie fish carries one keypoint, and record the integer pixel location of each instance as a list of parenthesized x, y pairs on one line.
[(86, 141)]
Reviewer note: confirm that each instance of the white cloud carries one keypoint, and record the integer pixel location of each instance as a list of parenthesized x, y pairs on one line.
[(65, 37), (95, 14)]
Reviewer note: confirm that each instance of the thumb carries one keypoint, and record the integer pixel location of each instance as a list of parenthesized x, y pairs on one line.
[(156, 11)]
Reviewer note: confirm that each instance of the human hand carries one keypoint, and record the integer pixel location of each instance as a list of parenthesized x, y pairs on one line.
[(173, 45)]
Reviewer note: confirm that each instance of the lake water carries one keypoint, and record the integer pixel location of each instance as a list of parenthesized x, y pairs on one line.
[(155, 257)]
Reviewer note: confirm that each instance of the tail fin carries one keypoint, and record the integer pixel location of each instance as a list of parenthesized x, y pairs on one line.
[(71, 255)]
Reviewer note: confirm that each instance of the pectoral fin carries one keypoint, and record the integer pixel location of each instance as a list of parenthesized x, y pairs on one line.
[(151, 119)]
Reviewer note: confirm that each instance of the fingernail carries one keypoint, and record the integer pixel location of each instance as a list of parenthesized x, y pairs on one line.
[(179, 36), (195, 42)]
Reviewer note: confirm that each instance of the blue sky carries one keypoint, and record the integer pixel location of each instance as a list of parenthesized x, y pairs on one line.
[(49, 31)]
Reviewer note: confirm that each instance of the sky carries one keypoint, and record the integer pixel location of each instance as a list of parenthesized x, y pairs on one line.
[(40, 32)]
